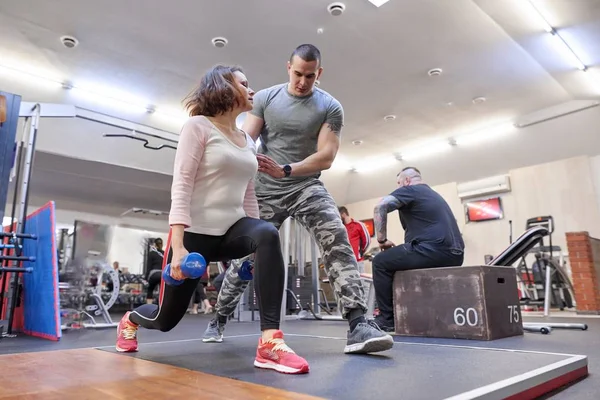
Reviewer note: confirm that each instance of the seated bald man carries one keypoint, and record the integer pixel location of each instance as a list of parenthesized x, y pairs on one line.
[(432, 238)]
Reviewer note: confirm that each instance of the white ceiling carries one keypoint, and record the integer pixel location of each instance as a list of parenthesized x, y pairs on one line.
[(375, 59)]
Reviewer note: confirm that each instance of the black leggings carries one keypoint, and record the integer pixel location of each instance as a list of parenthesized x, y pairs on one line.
[(200, 293), (154, 279), (218, 281), (246, 236), (404, 257)]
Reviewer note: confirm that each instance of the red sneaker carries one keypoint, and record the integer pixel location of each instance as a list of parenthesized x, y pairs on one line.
[(275, 354), (127, 335)]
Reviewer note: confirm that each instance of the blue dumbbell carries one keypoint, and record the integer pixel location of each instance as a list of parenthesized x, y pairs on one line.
[(193, 266), (245, 271)]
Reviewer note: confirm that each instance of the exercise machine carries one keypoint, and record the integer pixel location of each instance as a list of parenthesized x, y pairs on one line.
[(88, 285), (83, 299), (11, 243), (511, 255), (547, 276), (518, 249), (304, 297)]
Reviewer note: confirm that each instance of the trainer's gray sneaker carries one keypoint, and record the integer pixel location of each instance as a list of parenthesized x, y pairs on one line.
[(367, 338), (214, 332)]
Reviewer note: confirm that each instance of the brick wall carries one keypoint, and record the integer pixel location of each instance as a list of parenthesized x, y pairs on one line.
[(584, 258)]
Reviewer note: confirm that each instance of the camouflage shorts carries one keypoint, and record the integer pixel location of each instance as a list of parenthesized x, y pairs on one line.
[(314, 208)]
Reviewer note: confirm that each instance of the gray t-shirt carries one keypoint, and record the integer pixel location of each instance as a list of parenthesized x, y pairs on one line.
[(291, 130)]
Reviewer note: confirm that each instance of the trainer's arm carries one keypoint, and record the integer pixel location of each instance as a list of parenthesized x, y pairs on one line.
[(328, 143), (253, 126), (255, 119), (385, 206), (327, 148)]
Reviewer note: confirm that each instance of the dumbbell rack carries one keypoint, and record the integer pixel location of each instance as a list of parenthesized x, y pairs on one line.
[(14, 244)]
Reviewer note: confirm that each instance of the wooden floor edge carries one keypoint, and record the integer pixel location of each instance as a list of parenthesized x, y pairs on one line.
[(110, 375)]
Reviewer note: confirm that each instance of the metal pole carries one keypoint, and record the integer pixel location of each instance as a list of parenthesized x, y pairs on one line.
[(21, 222), (15, 269), (18, 258), (285, 238), (315, 276), (3, 290), (549, 267), (300, 250), (19, 235), (548, 289), (28, 168)]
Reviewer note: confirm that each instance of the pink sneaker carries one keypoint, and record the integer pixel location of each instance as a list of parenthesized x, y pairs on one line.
[(275, 354), (127, 335)]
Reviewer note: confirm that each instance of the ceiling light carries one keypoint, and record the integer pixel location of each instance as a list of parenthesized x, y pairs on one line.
[(378, 3), (319, 31), (485, 134), (567, 52), (560, 44), (425, 151), (389, 117), (535, 14), (556, 111), (30, 77), (357, 142), (341, 163), (376, 163), (479, 100), (172, 116), (110, 96)]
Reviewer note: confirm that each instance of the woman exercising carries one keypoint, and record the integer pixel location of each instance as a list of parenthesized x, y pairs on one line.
[(214, 212)]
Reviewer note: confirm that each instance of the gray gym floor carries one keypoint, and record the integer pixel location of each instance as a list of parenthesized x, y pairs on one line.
[(442, 367)]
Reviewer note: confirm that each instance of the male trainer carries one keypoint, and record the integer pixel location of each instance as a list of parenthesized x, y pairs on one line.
[(431, 238), (300, 126)]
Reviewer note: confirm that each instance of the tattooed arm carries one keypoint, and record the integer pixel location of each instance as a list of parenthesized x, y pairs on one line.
[(385, 206), (327, 148)]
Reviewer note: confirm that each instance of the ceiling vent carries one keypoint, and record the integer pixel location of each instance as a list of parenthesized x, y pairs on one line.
[(336, 9), (219, 42), (69, 41), (435, 72)]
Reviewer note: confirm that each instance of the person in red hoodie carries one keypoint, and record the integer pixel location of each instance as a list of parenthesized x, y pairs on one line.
[(359, 237)]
